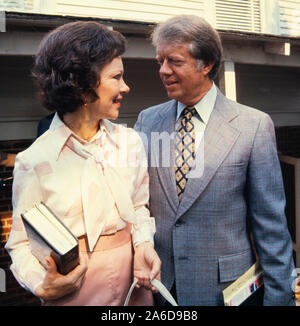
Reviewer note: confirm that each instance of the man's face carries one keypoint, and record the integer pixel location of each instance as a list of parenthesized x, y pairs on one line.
[(179, 74)]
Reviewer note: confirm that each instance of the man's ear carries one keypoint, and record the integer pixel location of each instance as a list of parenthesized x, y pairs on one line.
[(206, 69)]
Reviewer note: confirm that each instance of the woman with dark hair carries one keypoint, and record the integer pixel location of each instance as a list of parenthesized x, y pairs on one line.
[(90, 172)]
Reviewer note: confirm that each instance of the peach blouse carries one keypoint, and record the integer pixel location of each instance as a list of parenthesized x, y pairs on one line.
[(95, 187)]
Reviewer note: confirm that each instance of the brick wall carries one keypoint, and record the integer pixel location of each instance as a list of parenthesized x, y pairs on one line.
[(14, 294)]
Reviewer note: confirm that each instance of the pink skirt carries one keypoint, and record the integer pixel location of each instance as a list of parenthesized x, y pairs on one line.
[(109, 275)]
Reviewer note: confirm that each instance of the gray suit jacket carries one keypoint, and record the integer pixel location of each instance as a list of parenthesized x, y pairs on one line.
[(204, 241)]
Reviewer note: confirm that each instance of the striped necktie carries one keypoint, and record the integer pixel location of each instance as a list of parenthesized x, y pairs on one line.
[(184, 149)]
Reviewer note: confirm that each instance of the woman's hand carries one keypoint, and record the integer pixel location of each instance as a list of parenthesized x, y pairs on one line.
[(146, 265), (56, 285)]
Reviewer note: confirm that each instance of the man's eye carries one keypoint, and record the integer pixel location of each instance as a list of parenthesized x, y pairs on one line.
[(175, 62)]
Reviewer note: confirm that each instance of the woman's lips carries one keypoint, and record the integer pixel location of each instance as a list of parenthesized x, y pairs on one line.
[(117, 101)]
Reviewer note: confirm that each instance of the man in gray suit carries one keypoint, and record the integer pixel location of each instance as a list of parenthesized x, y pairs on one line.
[(222, 184)]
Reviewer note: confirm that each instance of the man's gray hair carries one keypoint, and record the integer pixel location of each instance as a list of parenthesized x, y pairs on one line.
[(203, 40)]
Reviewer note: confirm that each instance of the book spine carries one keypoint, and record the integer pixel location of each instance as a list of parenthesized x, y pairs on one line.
[(68, 261)]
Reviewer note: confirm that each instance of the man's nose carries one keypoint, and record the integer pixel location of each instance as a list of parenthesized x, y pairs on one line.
[(165, 68)]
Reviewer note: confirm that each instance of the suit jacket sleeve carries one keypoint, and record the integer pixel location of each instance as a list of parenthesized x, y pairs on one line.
[(266, 207), (138, 125)]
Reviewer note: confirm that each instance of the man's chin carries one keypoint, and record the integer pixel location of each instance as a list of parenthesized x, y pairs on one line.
[(173, 95)]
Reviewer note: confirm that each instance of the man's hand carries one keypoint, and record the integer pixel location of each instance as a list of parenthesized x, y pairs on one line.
[(56, 285), (146, 265)]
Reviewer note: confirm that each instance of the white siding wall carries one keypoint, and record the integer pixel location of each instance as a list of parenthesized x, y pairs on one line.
[(20, 5), (132, 10), (139, 10), (289, 12), (279, 17)]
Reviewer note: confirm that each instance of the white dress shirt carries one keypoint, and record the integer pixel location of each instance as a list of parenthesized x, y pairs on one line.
[(204, 108)]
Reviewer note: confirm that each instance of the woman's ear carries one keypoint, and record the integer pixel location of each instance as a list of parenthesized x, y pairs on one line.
[(85, 99)]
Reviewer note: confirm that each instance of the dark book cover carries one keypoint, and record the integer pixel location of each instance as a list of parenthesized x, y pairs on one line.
[(42, 246)]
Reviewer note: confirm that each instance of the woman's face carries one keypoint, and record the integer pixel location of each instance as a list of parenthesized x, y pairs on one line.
[(110, 91)]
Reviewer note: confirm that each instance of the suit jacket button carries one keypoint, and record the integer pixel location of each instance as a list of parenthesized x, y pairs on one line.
[(182, 258)]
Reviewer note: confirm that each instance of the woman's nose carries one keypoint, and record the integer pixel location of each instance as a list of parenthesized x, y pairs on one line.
[(124, 88)]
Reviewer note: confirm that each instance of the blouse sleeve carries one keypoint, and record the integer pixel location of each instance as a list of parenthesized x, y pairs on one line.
[(26, 191), (144, 229)]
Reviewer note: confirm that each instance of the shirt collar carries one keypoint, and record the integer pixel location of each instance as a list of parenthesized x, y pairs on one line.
[(204, 107), (61, 133)]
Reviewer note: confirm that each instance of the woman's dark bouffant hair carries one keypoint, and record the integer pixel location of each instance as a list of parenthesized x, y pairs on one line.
[(69, 60)]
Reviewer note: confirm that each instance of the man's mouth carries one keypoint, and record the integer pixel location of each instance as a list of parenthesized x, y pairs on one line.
[(170, 83)]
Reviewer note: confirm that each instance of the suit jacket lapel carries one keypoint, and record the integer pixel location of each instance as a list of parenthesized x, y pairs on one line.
[(218, 139), (163, 158)]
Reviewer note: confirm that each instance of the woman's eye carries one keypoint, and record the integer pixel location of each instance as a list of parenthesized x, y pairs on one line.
[(118, 77)]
